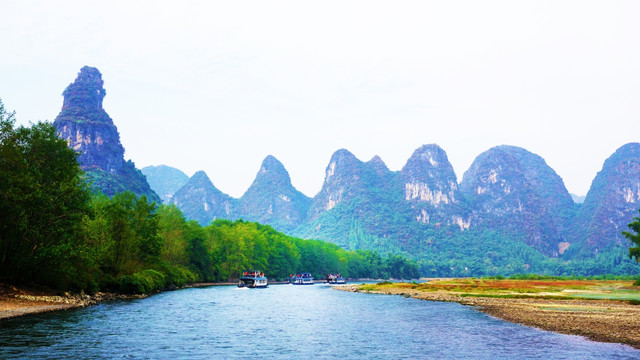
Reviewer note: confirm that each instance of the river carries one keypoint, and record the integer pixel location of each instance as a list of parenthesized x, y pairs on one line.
[(286, 322)]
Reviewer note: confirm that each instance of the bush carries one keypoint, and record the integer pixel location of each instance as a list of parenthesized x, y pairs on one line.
[(129, 284), (143, 282), (177, 276)]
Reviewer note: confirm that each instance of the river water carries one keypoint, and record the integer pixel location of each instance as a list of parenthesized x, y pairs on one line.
[(286, 322)]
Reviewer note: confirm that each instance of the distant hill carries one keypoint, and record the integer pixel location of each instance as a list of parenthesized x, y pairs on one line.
[(611, 203), (91, 132), (513, 190), (578, 199), (165, 180), (511, 212), (271, 199), (200, 200)]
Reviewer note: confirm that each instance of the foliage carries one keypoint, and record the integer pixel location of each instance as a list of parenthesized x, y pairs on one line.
[(42, 203), (634, 252), (127, 178)]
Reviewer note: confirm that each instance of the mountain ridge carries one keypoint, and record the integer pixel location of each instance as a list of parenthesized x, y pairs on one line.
[(361, 204)]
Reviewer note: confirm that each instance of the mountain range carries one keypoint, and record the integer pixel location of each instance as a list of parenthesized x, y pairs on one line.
[(509, 213), (508, 194)]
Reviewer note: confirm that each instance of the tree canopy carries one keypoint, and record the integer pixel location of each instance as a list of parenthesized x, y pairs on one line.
[(42, 202), (634, 251)]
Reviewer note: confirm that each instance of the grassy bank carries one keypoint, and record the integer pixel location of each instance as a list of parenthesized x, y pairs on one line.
[(602, 310)]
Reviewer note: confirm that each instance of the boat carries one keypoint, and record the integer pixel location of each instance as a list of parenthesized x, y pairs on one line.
[(301, 279), (335, 279), (253, 279)]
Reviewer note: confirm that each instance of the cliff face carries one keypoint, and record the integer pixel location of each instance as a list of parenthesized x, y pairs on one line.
[(431, 188), (91, 132), (511, 189), (272, 199), (611, 203)]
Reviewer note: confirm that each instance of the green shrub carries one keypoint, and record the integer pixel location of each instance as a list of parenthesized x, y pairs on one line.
[(129, 284), (177, 276), (143, 282)]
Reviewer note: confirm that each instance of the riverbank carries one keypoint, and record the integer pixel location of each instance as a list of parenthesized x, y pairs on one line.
[(606, 311), (17, 302)]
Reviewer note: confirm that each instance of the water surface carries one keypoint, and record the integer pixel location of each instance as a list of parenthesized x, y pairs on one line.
[(286, 322)]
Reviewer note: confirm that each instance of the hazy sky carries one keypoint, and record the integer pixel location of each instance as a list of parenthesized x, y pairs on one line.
[(218, 86)]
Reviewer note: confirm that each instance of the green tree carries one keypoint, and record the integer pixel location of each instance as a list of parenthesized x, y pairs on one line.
[(42, 204), (634, 252)]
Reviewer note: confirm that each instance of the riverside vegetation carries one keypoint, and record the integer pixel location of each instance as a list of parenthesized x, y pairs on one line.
[(56, 232)]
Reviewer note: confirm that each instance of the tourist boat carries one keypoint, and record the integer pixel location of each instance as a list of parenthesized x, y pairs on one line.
[(335, 279), (301, 279), (253, 279)]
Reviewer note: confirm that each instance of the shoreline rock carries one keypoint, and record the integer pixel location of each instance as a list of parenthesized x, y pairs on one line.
[(16, 302)]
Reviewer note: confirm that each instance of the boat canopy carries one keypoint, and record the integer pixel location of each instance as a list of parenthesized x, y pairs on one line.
[(252, 273)]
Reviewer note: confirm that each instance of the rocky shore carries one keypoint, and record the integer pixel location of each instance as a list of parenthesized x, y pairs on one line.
[(599, 320), (15, 302)]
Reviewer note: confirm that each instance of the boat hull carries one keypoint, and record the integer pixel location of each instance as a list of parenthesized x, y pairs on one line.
[(302, 283), (253, 283)]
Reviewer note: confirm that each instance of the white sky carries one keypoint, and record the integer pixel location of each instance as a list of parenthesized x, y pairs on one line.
[(218, 86)]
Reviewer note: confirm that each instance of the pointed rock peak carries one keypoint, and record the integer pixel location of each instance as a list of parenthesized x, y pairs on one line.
[(271, 164), (86, 91), (430, 163), (201, 180), (429, 177), (377, 162), (271, 173), (432, 153), (200, 175), (341, 160), (378, 165), (343, 155)]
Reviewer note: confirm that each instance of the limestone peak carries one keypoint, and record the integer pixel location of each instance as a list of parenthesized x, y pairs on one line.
[(86, 92)]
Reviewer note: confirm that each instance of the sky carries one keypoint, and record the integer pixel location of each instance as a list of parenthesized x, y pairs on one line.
[(218, 86)]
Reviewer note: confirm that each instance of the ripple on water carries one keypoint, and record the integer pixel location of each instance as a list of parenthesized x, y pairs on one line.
[(286, 322)]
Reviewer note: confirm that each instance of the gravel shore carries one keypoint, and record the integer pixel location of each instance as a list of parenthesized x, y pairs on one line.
[(599, 320), (16, 302)]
